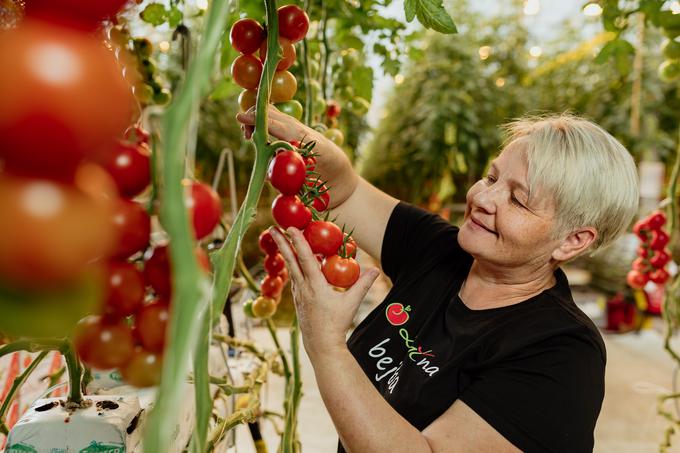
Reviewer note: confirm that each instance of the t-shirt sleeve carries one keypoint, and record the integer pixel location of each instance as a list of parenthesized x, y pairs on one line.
[(547, 400), (413, 238)]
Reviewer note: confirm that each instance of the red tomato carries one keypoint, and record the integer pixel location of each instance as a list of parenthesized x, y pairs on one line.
[(130, 166), (310, 163), (288, 51), (124, 289), (636, 279), (132, 227), (274, 264), (660, 258), (271, 286), (151, 322), (295, 143), (157, 270), (247, 99), (284, 86), (643, 251), (246, 35), (659, 240), (641, 229), (333, 109), (656, 220), (321, 202), (350, 247), (205, 207), (103, 344), (323, 237), (339, 271), (246, 71), (267, 244), (293, 22), (64, 99), (136, 134), (144, 368), (659, 276), (289, 211), (284, 276), (286, 172), (640, 264), (49, 231), (84, 14)]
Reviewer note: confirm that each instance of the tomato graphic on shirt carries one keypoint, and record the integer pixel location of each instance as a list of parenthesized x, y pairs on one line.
[(397, 314)]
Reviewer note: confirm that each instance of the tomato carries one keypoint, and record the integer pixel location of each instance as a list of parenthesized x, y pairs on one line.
[(271, 286), (247, 99), (287, 172), (157, 270), (333, 109), (335, 135), (643, 251), (246, 71), (323, 237), (248, 308), (322, 202), (640, 264), (151, 322), (636, 279), (264, 307), (350, 247), (136, 134), (205, 207), (660, 258), (130, 166), (641, 229), (267, 243), (203, 259), (144, 368), (659, 240), (274, 264), (132, 228), (292, 108), (339, 271), (656, 220), (289, 211), (284, 276), (288, 52), (124, 289), (63, 100), (84, 14), (293, 22), (49, 231), (295, 143), (310, 163), (284, 87), (659, 276), (246, 35), (102, 343)]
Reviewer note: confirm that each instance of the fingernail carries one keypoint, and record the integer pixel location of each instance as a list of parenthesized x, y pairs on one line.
[(291, 230)]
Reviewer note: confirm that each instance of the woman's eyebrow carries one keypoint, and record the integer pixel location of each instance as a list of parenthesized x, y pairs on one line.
[(513, 182)]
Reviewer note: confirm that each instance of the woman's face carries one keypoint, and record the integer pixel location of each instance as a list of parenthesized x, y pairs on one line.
[(502, 224)]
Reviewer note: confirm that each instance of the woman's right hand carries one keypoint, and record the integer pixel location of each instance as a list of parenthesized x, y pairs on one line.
[(282, 126)]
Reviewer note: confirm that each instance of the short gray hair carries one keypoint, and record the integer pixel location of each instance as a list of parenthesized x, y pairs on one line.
[(591, 176)]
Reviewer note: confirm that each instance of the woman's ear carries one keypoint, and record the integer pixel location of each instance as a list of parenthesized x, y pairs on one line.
[(574, 244)]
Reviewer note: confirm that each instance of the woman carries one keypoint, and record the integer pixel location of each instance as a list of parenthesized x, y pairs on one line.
[(478, 347)]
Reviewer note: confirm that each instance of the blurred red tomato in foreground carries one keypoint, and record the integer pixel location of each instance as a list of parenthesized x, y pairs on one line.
[(63, 97), (49, 232), (84, 14)]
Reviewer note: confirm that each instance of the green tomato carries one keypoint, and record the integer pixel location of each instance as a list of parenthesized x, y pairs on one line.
[(359, 106), (248, 308), (147, 67), (143, 47), (144, 93), (313, 66), (162, 97), (669, 71), (292, 108), (319, 105), (671, 49), (349, 58), (316, 87), (335, 135)]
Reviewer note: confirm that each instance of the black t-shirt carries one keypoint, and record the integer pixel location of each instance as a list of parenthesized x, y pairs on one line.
[(534, 370)]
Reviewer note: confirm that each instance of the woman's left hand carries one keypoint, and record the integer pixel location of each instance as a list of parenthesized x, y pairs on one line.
[(324, 313)]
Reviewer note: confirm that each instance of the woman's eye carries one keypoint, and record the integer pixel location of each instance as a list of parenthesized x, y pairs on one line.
[(490, 179), (516, 201)]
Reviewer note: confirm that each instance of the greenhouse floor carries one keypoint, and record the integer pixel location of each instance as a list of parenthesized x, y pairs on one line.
[(638, 370)]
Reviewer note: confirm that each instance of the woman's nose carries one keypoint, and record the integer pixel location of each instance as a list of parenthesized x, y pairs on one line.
[(486, 199)]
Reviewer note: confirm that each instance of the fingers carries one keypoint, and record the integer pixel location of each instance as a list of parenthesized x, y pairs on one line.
[(288, 255), (366, 280), (307, 260)]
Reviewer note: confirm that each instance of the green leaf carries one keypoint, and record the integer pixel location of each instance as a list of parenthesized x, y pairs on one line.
[(225, 88), (175, 17), (606, 51), (362, 82), (154, 14), (410, 9), (431, 14)]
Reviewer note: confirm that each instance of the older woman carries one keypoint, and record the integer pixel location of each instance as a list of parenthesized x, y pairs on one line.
[(478, 346)]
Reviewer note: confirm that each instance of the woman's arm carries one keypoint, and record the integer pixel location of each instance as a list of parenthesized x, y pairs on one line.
[(355, 202), (363, 418)]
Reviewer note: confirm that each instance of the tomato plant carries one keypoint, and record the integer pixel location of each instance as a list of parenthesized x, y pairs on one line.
[(289, 211), (246, 35), (246, 71), (130, 166), (293, 22), (323, 237), (124, 289), (339, 271), (287, 172)]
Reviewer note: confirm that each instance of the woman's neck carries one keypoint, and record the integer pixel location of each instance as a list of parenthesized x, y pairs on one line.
[(488, 286)]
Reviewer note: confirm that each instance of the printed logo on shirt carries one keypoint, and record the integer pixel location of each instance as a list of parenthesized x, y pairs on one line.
[(396, 314)]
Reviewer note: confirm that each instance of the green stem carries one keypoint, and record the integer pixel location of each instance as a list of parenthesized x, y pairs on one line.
[(75, 372), (17, 383), (3, 429), (31, 346), (190, 289), (326, 50), (243, 269), (295, 391), (284, 360)]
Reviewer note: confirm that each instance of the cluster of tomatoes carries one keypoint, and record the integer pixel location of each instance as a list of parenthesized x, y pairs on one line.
[(653, 256), (302, 200), (248, 36)]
